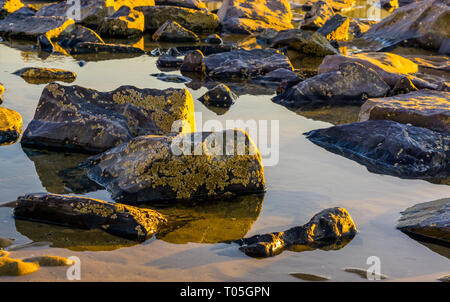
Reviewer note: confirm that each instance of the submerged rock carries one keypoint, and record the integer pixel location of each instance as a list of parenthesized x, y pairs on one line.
[(388, 147), (92, 47), (309, 277), (331, 228), (173, 78), (250, 16), (429, 220), (219, 96), (173, 32), (86, 213), (155, 168), (10, 126), (362, 272), (80, 119), (424, 108), (336, 29), (125, 23), (39, 75), (318, 13)]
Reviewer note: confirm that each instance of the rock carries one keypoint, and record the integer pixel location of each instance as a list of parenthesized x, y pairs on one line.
[(173, 78), (403, 85), (331, 228), (173, 32), (341, 5), (430, 220), (278, 76), (194, 4), (214, 39), (75, 34), (424, 108), (219, 96), (389, 4), (304, 42), (205, 49), (13, 267), (125, 23), (444, 278), (39, 75), (194, 20), (444, 86), (422, 24), (318, 13), (80, 119), (388, 147), (193, 62), (336, 28), (9, 6), (359, 27), (155, 168), (86, 213), (353, 83), (250, 16), (166, 61), (245, 63), (2, 91), (362, 272), (49, 261), (389, 66), (10, 126), (445, 47), (309, 277), (5, 242), (91, 47)]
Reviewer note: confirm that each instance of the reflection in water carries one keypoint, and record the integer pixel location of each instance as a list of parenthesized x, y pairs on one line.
[(210, 221), (59, 173), (438, 246), (334, 115)]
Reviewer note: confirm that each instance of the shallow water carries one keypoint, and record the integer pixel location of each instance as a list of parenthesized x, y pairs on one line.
[(306, 180)]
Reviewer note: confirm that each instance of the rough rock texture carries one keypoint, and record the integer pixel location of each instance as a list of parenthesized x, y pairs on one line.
[(125, 23), (424, 108), (425, 24), (403, 85), (39, 75), (152, 168), (429, 220), (68, 38), (318, 13), (195, 20), (81, 119), (87, 213), (250, 16), (219, 96), (9, 6), (305, 42), (329, 229), (15, 267), (336, 29), (10, 126), (171, 31), (389, 66), (352, 83), (245, 63), (193, 62), (388, 147), (92, 47)]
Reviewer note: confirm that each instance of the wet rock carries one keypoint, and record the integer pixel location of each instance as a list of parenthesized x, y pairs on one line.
[(445, 47), (309, 277), (173, 32), (219, 96), (5, 242), (424, 108), (13, 267), (359, 27), (331, 228), (165, 169), (195, 20), (362, 272), (389, 4), (173, 78), (214, 39), (245, 63), (49, 261), (205, 49), (250, 16), (318, 13), (429, 220), (194, 4), (10, 126), (304, 42), (75, 34), (353, 83), (91, 47), (39, 75), (336, 29), (125, 23), (9, 6), (444, 86), (422, 24), (444, 278), (193, 62), (80, 119), (280, 75), (86, 213), (167, 61), (388, 147), (403, 86)]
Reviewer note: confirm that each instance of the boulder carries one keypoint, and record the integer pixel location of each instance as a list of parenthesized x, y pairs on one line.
[(193, 62), (424, 108), (95, 47), (389, 4), (388, 147), (125, 23), (403, 85), (194, 20), (87, 213), (250, 16), (39, 75), (245, 63), (445, 47), (10, 126), (16, 267), (359, 27), (75, 34), (194, 4), (444, 86), (278, 76), (336, 28), (423, 24), (9, 6), (352, 83), (155, 168), (214, 39), (173, 32), (167, 61), (80, 119), (304, 42), (49, 260), (318, 13), (331, 228), (428, 220), (219, 96)]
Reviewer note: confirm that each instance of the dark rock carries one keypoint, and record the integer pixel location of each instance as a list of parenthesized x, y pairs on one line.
[(194, 4), (75, 34), (318, 13), (403, 85), (91, 47), (330, 229), (205, 49), (424, 108), (173, 51), (154, 168), (167, 61), (388, 147), (173, 78), (155, 52), (445, 47), (35, 75), (336, 29), (10, 126), (81, 63), (389, 4), (173, 32), (219, 96), (214, 39), (193, 62), (125, 23), (9, 6), (278, 76), (2, 91), (428, 220), (444, 86), (79, 119), (86, 213)]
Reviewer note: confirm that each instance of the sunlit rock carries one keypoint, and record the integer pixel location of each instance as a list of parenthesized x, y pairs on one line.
[(317, 14), (125, 23), (14, 267), (219, 96), (49, 260), (40, 75), (194, 4), (389, 4), (336, 29), (2, 91), (9, 6), (10, 126), (173, 32)]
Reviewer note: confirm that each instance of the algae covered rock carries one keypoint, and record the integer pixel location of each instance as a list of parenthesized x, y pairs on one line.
[(49, 260), (336, 29), (9, 6), (68, 38), (10, 126), (13, 267), (173, 32), (39, 75), (80, 119), (86, 213), (329, 229), (154, 168), (424, 108), (219, 96), (124, 23), (317, 14), (194, 4)]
